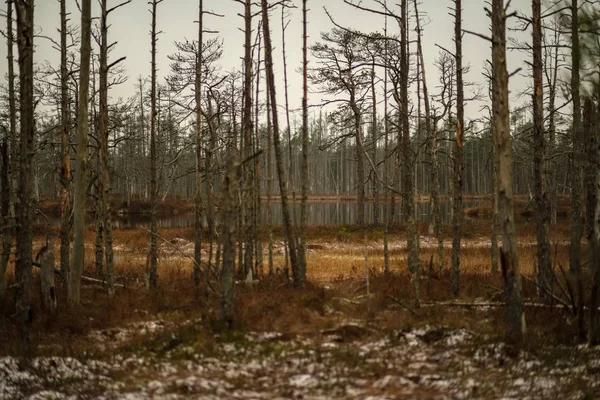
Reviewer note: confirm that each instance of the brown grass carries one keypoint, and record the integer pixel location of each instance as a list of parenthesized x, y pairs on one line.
[(336, 268)]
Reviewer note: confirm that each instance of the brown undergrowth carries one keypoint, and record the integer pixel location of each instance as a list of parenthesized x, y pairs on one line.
[(337, 291)]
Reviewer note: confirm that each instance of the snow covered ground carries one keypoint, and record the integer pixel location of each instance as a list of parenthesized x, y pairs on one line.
[(351, 361)]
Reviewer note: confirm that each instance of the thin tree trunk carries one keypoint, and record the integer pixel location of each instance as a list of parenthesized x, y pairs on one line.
[(46, 259), (594, 322), (153, 267), (495, 196), (81, 156), (515, 317), (298, 278), (198, 176), (304, 178), (431, 133), (23, 262), (269, 184), (389, 217), (375, 182), (65, 171), (591, 167), (4, 215), (541, 194), (458, 153), (407, 160), (104, 165), (12, 108), (248, 218), (577, 177)]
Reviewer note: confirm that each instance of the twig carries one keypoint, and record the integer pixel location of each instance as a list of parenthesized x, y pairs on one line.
[(561, 301), (403, 304)]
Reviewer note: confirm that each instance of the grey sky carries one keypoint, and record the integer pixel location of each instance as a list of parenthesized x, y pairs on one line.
[(130, 27)]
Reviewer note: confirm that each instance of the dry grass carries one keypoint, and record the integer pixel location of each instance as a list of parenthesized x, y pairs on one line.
[(335, 260)]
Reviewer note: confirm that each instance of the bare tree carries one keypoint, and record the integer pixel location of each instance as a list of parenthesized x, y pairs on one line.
[(594, 322), (304, 180), (541, 194), (65, 171), (458, 151), (4, 214), (515, 317), (24, 262), (153, 267), (289, 231), (577, 176), (198, 180), (81, 157)]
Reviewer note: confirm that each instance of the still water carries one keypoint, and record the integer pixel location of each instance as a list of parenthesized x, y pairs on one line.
[(319, 213)]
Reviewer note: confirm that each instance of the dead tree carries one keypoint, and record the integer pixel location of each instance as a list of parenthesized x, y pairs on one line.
[(304, 177), (458, 170), (577, 175), (198, 175), (541, 194), (153, 256), (65, 169), (509, 260), (289, 230), (4, 214), (81, 157), (24, 261)]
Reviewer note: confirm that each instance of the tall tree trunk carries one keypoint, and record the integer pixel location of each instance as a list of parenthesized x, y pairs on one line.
[(65, 170), (153, 267), (545, 274), (591, 167), (375, 182), (431, 133), (360, 163), (198, 176), (495, 199), (515, 317), (389, 217), (104, 165), (299, 280), (4, 215), (12, 108), (228, 236), (81, 156), (248, 221), (407, 160), (594, 322), (304, 178), (23, 263), (577, 176), (458, 152)]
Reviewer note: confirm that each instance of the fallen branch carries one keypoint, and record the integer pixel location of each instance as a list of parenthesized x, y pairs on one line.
[(83, 277), (403, 304), (558, 299)]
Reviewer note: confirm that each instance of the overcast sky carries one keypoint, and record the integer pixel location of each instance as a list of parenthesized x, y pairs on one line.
[(130, 26)]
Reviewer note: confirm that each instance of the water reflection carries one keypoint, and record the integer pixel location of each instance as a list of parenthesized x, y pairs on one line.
[(319, 213)]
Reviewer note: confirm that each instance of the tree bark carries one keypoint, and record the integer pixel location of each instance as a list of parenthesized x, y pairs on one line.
[(104, 162), (12, 108), (458, 153), (594, 322), (577, 175), (515, 317), (153, 267), (407, 160), (304, 178), (46, 259), (248, 222), (81, 157), (65, 170), (545, 274), (23, 262), (299, 280), (198, 176), (4, 215)]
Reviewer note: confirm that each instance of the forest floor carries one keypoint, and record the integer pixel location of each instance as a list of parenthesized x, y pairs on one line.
[(337, 338)]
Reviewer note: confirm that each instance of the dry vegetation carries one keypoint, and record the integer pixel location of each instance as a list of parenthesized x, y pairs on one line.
[(344, 343)]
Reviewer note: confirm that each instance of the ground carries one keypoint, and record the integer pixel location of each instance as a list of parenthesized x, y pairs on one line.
[(337, 338)]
